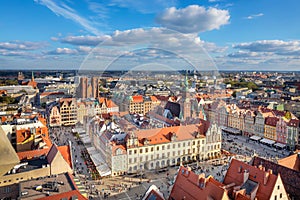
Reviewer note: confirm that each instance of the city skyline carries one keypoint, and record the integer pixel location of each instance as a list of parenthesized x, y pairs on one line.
[(211, 34)]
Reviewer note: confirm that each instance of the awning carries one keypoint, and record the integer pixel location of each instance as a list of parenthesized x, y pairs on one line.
[(254, 137), (99, 162), (267, 141), (279, 145)]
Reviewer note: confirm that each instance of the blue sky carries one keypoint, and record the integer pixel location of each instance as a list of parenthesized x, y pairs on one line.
[(90, 34)]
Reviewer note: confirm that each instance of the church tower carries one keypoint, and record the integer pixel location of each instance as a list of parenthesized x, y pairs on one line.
[(187, 100)]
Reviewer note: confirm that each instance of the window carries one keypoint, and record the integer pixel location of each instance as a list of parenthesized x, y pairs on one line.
[(278, 187), (135, 151), (141, 150), (6, 189), (163, 147), (152, 149), (280, 195), (178, 145), (146, 150), (157, 148), (130, 152), (275, 198)]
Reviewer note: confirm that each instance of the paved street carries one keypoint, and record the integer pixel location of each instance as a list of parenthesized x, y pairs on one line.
[(244, 146), (133, 187)]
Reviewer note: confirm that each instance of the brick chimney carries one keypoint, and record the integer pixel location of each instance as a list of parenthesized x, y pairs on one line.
[(202, 182), (270, 171), (245, 176), (266, 177), (240, 169)]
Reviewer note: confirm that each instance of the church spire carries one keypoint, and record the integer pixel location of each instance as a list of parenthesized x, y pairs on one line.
[(186, 83), (32, 76)]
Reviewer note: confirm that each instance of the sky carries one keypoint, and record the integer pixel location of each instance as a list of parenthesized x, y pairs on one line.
[(131, 34)]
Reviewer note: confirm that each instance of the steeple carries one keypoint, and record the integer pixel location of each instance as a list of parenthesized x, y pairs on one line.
[(186, 83), (32, 76)]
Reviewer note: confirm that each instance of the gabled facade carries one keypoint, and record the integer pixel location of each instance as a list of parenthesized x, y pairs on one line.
[(54, 117), (249, 123), (292, 133), (259, 126), (270, 128), (281, 131), (68, 111)]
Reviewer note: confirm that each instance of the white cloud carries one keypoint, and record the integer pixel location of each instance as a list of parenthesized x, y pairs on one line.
[(62, 9), (21, 45), (59, 51), (155, 37), (135, 47), (279, 47), (193, 19), (86, 40), (255, 16)]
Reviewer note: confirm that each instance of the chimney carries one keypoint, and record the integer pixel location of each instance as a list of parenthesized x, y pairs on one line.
[(240, 169), (266, 177), (202, 183), (270, 171), (246, 176)]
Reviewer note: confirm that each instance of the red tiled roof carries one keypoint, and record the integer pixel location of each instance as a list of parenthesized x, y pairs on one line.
[(235, 174), (293, 123), (189, 185), (290, 177), (153, 98), (292, 162), (271, 121), (65, 152), (163, 135), (31, 154), (137, 99), (65, 195)]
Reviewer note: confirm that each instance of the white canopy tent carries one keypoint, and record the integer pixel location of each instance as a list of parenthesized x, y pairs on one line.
[(254, 137), (279, 145), (267, 141), (99, 162)]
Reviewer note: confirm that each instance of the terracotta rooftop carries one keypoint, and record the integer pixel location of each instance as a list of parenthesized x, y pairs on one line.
[(290, 177), (292, 162), (153, 98), (293, 123), (137, 99), (163, 135), (236, 174), (189, 185), (271, 121), (64, 150)]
